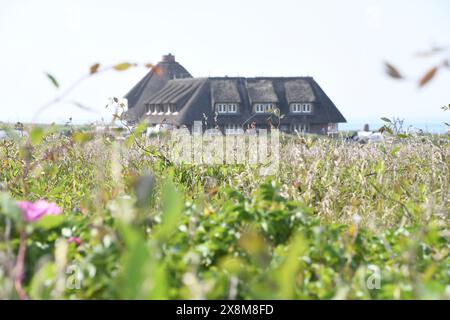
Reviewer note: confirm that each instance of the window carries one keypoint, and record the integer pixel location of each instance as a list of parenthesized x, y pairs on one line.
[(172, 108), (227, 107), (259, 108), (301, 107), (332, 128), (300, 127), (232, 128), (221, 108), (307, 107), (264, 107), (296, 107), (232, 108)]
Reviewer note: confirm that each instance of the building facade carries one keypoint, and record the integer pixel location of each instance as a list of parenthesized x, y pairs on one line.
[(169, 95)]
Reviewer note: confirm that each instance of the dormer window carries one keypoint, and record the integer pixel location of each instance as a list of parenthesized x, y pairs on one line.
[(301, 107), (222, 108), (160, 109), (307, 107), (264, 107), (296, 107), (169, 108), (232, 107)]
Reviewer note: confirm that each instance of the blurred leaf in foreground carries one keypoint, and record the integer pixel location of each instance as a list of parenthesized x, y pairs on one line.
[(392, 71), (52, 79), (143, 189), (94, 68), (428, 76), (172, 206), (36, 135), (123, 66)]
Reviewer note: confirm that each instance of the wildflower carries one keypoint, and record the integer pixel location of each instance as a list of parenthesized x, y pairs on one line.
[(33, 211), (356, 219), (75, 240)]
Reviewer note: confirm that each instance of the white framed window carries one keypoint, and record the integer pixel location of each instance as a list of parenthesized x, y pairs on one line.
[(171, 108), (221, 108), (307, 108), (227, 107), (264, 107), (232, 128), (300, 127), (232, 107), (296, 107), (259, 108), (301, 107), (332, 128)]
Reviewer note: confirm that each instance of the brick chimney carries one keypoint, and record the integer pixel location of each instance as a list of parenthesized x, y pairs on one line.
[(168, 58)]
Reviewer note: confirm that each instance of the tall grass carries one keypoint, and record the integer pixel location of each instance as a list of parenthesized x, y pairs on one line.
[(336, 219)]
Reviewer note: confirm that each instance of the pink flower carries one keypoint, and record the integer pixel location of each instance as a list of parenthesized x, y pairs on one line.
[(35, 211), (75, 240)]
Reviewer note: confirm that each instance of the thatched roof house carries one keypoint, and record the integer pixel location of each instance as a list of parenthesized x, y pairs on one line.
[(169, 94)]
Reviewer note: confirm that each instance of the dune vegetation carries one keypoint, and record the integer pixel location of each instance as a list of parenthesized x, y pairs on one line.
[(338, 220)]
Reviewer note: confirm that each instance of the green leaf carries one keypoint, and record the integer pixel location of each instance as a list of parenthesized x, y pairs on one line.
[(134, 263), (49, 222), (172, 204), (9, 208), (52, 79), (386, 119), (81, 137), (43, 282), (286, 275), (395, 150), (36, 135), (140, 128)]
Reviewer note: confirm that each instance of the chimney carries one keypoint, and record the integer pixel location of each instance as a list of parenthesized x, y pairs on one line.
[(168, 58)]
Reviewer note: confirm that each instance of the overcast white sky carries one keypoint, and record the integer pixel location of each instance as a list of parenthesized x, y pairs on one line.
[(342, 44)]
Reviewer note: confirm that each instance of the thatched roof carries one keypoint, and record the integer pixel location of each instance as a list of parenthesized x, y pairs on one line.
[(224, 90), (261, 91), (195, 98), (299, 91), (153, 81)]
